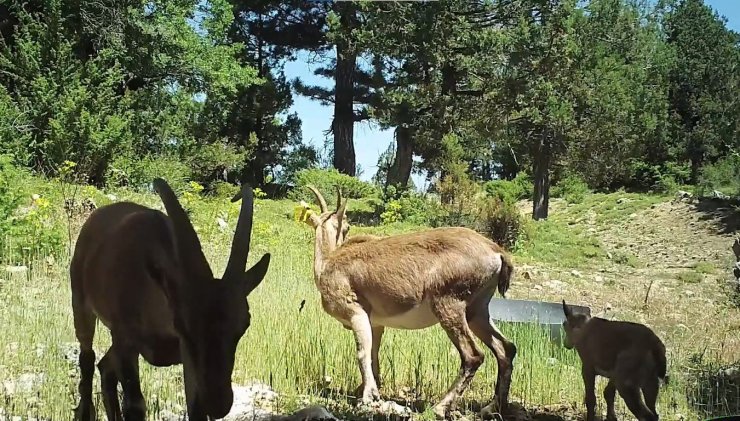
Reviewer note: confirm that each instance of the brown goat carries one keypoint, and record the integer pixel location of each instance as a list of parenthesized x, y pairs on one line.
[(144, 276), (629, 354), (413, 281)]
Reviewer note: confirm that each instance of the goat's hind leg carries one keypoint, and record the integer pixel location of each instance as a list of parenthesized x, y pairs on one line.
[(650, 391), (452, 317), (610, 392), (84, 324), (629, 379), (504, 350)]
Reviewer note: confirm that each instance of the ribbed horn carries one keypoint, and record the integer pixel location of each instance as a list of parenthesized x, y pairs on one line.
[(188, 244), (339, 197), (242, 235), (340, 218), (320, 198)]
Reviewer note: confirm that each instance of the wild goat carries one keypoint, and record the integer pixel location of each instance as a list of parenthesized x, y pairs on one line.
[(143, 274), (413, 281), (629, 354)]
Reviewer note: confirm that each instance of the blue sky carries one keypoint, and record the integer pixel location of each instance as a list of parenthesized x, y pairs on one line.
[(370, 141)]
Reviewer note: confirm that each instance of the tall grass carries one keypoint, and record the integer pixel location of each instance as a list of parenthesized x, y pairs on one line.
[(304, 355)]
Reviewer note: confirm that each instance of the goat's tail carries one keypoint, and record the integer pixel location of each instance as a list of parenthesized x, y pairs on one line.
[(504, 275), (660, 359)]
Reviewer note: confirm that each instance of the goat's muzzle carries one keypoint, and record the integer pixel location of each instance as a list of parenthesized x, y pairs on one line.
[(218, 404)]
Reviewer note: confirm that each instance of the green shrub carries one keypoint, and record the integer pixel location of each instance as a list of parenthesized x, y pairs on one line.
[(138, 173), (723, 175), (572, 188), (502, 222), (521, 187), (661, 178), (407, 206), (689, 277), (224, 189), (29, 225), (10, 194), (326, 181)]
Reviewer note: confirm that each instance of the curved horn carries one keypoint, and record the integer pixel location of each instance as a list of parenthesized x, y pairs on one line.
[(339, 197), (242, 235), (320, 198), (188, 244), (340, 217)]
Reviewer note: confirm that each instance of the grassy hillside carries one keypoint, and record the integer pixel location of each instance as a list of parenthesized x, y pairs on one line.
[(627, 256)]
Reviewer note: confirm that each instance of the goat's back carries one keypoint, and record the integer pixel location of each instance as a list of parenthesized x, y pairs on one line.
[(123, 251), (455, 259), (602, 341)]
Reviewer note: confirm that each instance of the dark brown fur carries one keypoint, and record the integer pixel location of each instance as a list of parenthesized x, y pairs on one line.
[(629, 354), (143, 275)]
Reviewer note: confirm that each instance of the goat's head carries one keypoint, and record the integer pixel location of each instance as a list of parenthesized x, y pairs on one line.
[(211, 315), (573, 326), (331, 227)]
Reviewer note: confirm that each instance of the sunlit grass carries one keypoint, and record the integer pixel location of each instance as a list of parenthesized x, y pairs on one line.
[(304, 355)]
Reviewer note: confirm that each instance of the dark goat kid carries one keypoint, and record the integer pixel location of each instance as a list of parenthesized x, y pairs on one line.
[(629, 354)]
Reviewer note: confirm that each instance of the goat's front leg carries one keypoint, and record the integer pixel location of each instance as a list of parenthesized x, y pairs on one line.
[(360, 323), (589, 383)]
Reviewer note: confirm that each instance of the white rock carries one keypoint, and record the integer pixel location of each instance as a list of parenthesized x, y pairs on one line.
[(314, 412), (555, 284), (112, 197), (221, 223), (16, 269), (576, 274), (26, 383), (248, 401), (599, 278), (386, 408)]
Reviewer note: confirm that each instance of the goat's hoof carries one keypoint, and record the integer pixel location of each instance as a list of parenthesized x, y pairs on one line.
[(85, 413), (440, 412), (370, 395), (494, 410)]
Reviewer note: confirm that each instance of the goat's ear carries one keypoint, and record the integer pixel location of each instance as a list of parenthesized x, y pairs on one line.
[(567, 310), (254, 276)]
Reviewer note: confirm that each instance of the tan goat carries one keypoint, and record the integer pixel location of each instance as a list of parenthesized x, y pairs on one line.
[(629, 354), (413, 281), (143, 275)]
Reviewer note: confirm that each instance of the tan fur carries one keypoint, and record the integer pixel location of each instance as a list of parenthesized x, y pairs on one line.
[(361, 238), (412, 281), (629, 354), (143, 275)]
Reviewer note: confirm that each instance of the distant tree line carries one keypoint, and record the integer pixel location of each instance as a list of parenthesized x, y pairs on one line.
[(621, 93)]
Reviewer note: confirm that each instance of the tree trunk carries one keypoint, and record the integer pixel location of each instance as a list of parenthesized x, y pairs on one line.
[(344, 75), (400, 171), (541, 159)]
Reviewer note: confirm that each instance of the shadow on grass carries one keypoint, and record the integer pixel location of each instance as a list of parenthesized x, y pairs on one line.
[(345, 409), (724, 214), (713, 389)]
